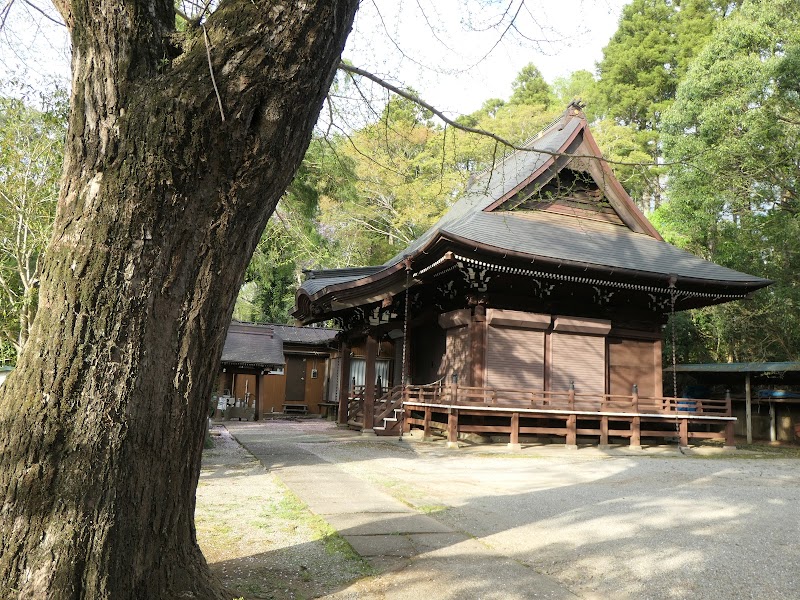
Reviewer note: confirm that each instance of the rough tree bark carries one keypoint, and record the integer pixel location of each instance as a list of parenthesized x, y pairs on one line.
[(101, 424)]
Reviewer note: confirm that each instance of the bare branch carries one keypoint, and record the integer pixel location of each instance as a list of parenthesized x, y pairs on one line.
[(4, 13), (431, 28), (499, 139), (502, 35), (43, 13), (211, 70)]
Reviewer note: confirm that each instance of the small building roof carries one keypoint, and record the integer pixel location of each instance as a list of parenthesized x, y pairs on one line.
[(263, 344), (249, 344)]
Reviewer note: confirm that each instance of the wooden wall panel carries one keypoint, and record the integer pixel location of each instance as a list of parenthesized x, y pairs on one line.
[(428, 349), (314, 385), (273, 392), (458, 354), (578, 358), (244, 383), (515, 358), (632, 362)]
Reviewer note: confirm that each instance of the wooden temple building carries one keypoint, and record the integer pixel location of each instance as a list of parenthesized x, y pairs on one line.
[(535, 307)]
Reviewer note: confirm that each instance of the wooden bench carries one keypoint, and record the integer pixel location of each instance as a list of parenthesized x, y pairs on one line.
[(295, 409)]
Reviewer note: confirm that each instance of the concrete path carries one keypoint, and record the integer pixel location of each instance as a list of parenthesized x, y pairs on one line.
[(417, 556)]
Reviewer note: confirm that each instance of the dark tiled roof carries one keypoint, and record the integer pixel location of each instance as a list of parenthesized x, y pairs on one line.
[(305, 335), (545, 234), (317, 280), (560, 237), (257, 344), (246, 343)]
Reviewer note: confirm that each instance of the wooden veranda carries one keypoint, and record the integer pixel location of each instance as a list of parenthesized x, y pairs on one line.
[(453, 409)]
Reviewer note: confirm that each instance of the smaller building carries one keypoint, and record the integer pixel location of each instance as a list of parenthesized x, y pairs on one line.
[(277, 368), (765, 395)]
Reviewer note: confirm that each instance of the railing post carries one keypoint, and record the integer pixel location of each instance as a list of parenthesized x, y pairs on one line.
[(635, 396), (426, 424), (513, 441), (684, 432), (604, 430), (452, 428), (571, 396)]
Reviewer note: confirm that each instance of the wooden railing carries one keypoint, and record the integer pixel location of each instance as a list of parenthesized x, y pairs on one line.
[(355, 406), (564, 401), (384, 406), (530, 400)]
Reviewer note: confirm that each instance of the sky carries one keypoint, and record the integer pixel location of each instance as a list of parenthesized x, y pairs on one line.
[(454, 53), (458, 53)]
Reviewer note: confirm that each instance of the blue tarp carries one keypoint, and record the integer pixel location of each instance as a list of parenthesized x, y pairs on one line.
[(777, 394)]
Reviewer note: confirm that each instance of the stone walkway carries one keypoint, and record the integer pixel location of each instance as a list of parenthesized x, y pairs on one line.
[(416, 555)]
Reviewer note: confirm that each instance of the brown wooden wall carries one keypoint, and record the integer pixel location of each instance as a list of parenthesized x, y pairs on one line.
[(634, 362), (457, 355), (578, 359), (515, 358), (428, 349), (272, 391), (535, 351)]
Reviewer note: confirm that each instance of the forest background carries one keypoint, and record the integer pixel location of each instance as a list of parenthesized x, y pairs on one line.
[(695, 102)]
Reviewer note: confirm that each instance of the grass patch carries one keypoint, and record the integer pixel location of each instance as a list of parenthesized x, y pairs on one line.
[(290, 508), (430, 509), (769, 451)]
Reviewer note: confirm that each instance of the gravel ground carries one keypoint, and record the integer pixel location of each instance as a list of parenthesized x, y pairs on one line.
[(655, 525), (258, 538)]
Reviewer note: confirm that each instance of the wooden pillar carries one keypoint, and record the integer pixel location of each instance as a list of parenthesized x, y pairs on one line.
[(604, 430), (748, 408), (258, 395), (513, 441), (477, 336), (730, 441), (572, 434), (683, 432), (426, 424), (452, 428), (773, 428), (369, 383), (344, 384), (636, 432)]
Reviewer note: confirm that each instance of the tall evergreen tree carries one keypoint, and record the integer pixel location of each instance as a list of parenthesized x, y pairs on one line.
[(734, 133)]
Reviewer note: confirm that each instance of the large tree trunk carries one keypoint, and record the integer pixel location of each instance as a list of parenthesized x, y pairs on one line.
[(102, 422)]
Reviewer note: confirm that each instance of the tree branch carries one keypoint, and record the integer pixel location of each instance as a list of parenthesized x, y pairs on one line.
[(43, 13), (500, 140)]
